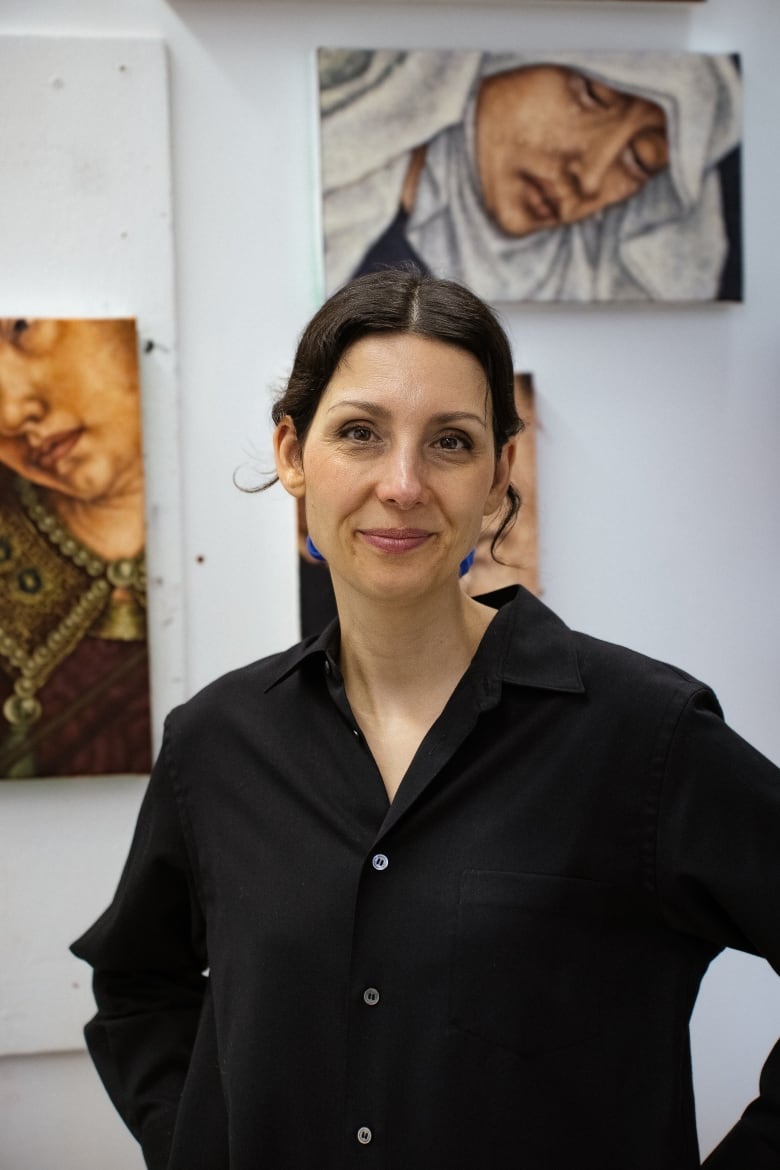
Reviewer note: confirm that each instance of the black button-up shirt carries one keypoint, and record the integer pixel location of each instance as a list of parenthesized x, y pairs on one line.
[(494, 972)]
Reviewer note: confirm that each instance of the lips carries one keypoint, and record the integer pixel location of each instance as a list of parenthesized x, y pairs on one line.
[(53, 448), (541, 198), (395, 540)]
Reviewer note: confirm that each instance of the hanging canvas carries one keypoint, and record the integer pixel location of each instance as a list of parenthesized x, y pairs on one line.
[(509, 3), (547, 176), (516, 560), (74, 686)]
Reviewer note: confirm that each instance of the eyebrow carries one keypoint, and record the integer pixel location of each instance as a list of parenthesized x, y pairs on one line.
[(444, 418)]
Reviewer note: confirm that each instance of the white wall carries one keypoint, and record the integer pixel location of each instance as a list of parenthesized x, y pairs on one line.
[(87, 218), (658, 465)]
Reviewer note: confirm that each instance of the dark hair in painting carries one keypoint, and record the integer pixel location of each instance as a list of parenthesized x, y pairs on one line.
[(403, 300)]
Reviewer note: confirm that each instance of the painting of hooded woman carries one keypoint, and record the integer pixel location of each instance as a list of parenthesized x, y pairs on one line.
[(575, 177), (74, 683)]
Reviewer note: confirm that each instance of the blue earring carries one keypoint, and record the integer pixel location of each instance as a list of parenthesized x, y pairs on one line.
[(313, 551), (466, 563)]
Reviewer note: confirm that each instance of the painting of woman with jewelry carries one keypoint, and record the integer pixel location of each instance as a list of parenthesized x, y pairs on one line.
[(74, 685)]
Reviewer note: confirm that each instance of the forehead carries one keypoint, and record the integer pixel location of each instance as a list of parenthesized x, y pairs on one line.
[(407, 367), (547, 87)]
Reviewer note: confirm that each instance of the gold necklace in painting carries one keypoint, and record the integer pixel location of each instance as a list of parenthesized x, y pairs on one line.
[(54, 591)]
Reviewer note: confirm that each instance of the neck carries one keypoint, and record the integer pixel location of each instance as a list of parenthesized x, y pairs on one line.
[(408, 654), (112, 527)]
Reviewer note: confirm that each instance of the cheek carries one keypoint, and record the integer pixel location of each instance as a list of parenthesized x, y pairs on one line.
[(95, 474), (540, 129), (12, 455), (617, 187), (471, 501), (115, 426), (548, 131), (329, 490)]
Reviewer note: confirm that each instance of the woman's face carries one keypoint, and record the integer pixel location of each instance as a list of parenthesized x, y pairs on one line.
[(69, 410), (553, 147), (399, 467)]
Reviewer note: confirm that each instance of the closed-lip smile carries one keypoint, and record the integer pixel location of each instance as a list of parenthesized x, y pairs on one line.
[(52, 448), (395, 540)]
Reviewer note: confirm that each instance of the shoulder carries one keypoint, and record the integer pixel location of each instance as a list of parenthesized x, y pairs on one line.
[(628, 677), (537, 649), (245, 692)]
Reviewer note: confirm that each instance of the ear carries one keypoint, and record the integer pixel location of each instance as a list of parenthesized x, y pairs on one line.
[(288, 454), (501, 477)]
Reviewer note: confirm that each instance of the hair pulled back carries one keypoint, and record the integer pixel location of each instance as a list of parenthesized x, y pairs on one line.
[(403, 300)]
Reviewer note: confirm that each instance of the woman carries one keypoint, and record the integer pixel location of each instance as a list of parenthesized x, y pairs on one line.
[(73, 660), (539, 176), (453, 871), (519, 553)]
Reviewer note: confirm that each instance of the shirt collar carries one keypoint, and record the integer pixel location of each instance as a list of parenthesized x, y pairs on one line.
[(532, 646), (322, 647), (539, 649)]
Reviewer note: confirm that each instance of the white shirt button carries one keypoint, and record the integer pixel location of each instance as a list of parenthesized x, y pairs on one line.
[(371, 996), (379, 861), (364, 1135)]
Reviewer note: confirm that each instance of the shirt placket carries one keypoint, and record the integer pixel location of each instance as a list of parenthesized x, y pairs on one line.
[(375, 1015), (372, 1016)]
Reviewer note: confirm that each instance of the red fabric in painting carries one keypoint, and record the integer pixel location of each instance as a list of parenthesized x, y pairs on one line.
[(96, 718)]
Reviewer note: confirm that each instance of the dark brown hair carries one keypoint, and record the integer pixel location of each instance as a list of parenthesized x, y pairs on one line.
[(403, 300)]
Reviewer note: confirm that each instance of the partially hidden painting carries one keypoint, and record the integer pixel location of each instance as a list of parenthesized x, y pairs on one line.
[(546, 176), (74, 676), (516, 560)]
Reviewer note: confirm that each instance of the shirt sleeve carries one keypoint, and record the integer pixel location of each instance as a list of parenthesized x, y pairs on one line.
[(148, 954), (718, 875)]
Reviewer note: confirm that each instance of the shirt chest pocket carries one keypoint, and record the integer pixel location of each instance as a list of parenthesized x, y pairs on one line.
[(529, 967)]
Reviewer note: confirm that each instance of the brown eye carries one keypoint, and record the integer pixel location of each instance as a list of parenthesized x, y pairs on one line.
[(357, 433), (20, 326), (455, 443)]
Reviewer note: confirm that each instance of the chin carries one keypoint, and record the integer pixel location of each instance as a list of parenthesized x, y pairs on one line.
[(515, 224), (414, 586)]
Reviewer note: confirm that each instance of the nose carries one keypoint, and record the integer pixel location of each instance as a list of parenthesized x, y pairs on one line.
[(20, 405), (402, 480), (589, 166)]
